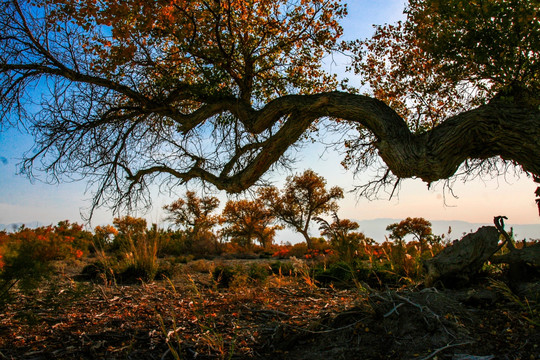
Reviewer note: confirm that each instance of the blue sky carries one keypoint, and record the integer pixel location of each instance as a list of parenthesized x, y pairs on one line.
[(478, 201)]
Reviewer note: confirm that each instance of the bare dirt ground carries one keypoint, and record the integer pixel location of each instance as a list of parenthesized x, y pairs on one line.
[(285, 317)]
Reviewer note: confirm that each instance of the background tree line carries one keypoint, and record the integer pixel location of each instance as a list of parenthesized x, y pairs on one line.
[(130, 249)]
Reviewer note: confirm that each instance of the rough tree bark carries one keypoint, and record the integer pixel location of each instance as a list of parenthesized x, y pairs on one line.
[(507, 126), (464, 258), (529, 255)]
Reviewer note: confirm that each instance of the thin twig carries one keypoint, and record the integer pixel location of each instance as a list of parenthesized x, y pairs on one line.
[(417, 305), (164, 356), (393, 310), (324, 331), (444, 348), (267, 311)]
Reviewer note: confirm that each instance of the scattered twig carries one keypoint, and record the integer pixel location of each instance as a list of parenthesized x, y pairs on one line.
[(300, 329), (393, 310), (105, 297), (6, 288), (444, 348), (267, 311), (164, 356), (422, 308)]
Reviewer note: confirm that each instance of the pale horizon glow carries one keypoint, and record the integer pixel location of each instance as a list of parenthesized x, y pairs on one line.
[(478, 201)]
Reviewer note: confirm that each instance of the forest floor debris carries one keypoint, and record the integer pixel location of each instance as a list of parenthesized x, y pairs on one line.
[(283, 318)]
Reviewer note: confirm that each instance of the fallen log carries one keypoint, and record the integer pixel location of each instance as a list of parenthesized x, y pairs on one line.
[(464, 258), (529, 255)]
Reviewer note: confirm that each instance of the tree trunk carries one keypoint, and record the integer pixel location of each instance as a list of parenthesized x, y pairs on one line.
[(522, 263), (464, 258), (307, 238), (529, 255), (507, 126)]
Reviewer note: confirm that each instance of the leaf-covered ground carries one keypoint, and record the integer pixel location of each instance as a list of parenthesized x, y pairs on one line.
[(284, 317)]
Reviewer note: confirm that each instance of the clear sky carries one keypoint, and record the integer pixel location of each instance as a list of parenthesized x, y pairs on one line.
[(478, 200)]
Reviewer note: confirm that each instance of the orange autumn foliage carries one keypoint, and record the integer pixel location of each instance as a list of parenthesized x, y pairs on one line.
[(247, 45), (246, 221)]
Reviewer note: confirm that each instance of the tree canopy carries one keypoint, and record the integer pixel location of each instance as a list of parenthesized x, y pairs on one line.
[(245, 220), (304, 197), (130, 93), (419, 228), (192, 213)]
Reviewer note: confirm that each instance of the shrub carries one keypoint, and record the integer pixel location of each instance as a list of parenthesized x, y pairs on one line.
[(223, 275), (229, 276), (285, 268), (126, 273), (133, 273), (166, 270), (348, 274), (139, 248), (405, 260), (26, 263), (103, 238), (94, 271), (176, 244), (204, 243), (183, 259), (258, 273), (322, 255), (81, 240), (134, 251), (298, 250), (340, 273), (230, 248), (282, 253), (202, 266), (377, 275)]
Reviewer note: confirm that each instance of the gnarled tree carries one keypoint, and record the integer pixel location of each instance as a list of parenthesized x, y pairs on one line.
[(129, 93)]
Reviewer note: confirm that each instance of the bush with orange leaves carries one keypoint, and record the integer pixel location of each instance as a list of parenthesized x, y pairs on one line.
[(4, 238), (27, 255), (282, 253)]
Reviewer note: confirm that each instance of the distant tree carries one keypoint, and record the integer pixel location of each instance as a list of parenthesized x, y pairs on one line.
[(246, 221), (130, 231), (304, 197), (129, 226), (196, 217), (419, 228), (342, 236), (80, 238), (104, 236)]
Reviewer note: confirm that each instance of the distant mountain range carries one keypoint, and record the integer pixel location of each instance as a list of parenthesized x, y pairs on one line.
[(376, 229), (14, 226)]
